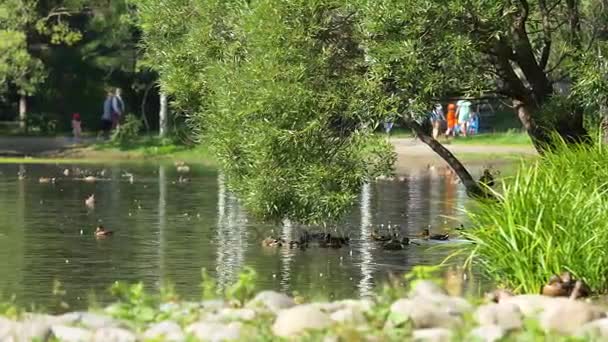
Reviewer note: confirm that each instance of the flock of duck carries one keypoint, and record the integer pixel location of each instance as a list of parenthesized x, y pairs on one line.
[(389, 238), (86, 176)]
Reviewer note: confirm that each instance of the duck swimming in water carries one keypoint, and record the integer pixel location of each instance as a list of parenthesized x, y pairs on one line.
[(487, 178), (90, 201), (426, 234), (396, 244), (101, 231), (272, 242)]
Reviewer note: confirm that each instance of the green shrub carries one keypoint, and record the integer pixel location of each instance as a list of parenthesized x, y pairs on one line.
[(128, 131), (552, 216)]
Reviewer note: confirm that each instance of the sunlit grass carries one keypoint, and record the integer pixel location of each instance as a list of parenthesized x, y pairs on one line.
[(552, 216)]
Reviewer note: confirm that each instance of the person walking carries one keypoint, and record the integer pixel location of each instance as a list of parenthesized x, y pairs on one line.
[(451, 119), (463, 112), (106, 117), (118, 108), (437, 120), (76, 126)]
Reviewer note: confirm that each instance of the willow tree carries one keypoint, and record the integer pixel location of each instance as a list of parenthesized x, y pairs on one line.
[(273, 85)]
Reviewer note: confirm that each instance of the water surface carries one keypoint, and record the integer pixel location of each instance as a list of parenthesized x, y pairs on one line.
[(167, 230)]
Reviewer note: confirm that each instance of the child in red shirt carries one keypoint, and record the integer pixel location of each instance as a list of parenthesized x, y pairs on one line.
[(76, 128)]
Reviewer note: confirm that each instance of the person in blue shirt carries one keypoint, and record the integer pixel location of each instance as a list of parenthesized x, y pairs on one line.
[(463, 112)]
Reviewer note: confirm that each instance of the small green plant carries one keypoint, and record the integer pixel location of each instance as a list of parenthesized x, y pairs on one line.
[(133, 304), (243, 288), (59, 294), (128, 131), (209, 288)]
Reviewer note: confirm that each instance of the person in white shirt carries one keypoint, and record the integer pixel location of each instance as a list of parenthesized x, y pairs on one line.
[(118, 108)]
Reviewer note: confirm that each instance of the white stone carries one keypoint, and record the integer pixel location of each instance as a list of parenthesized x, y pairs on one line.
[(432, 335), (531, 305), (422, 314), (295, 320), (215, 332), (113, 335), (596, 329), (487, 333), (351, 315), (569, 316), (71, 334), (506, 315), (90, 320), (166, 331), (273, 301)]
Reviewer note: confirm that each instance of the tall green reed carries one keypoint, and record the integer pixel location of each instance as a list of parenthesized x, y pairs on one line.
[(552, 216)]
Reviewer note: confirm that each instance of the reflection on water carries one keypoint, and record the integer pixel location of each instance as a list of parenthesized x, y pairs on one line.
[(167, 230)]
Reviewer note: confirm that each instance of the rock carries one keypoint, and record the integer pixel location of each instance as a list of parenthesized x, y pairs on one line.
[(597, 329), (6, 328), (213, 332), (567, 316), (293, 321), (422, 314), (506, 315), (432, 335), (113, 335), (362, 305), (32, 330), (352, 315), (237, 314), (531, 305), (165, 331), (426, 288), (273, 301), (71, 334), (91, 320), (213, 304), (487, 333)]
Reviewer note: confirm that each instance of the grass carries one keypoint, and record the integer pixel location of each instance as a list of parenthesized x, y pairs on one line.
[(552, 216), (142, 149)]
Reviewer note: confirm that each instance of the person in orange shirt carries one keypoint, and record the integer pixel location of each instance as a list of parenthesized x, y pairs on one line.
[(451, 119)]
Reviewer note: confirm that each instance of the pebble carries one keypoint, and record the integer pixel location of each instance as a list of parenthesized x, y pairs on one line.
[(6, 328), (113, 335), (530, 305), (295, 320), (487, 333), (423, 288), (165, 331), (71, 334), (214, 332), (91, 320), (432, 335), (351, 315), (421, 313), (596, 329), (567, 316), (505, 315), (273, 301)]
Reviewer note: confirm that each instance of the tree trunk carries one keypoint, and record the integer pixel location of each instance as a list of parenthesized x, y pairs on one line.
[(23, 112), (163, 115), (473, 188), (143, 107)]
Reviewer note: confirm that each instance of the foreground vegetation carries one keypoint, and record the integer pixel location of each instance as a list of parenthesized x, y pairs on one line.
[(551, 216)]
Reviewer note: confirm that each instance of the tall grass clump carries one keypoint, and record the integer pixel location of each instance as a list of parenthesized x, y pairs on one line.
[(552, 216)]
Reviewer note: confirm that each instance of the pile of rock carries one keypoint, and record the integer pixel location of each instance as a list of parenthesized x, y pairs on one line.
[(427, 314)]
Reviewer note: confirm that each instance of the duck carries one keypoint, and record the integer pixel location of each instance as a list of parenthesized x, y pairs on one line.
[(101, 231), (301, 243), (46, 180), (376, 236), (565, 285), (426, 234), (90, 201), (66, 172), (90, 179), (396, 244), (183, 168), (334, 241), (272, 242), (487, 178)]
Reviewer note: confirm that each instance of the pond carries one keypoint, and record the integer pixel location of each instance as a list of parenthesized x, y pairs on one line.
[(166, 229)]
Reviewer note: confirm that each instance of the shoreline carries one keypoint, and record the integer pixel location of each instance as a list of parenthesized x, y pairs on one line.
[(425, 313), (411, 154)]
